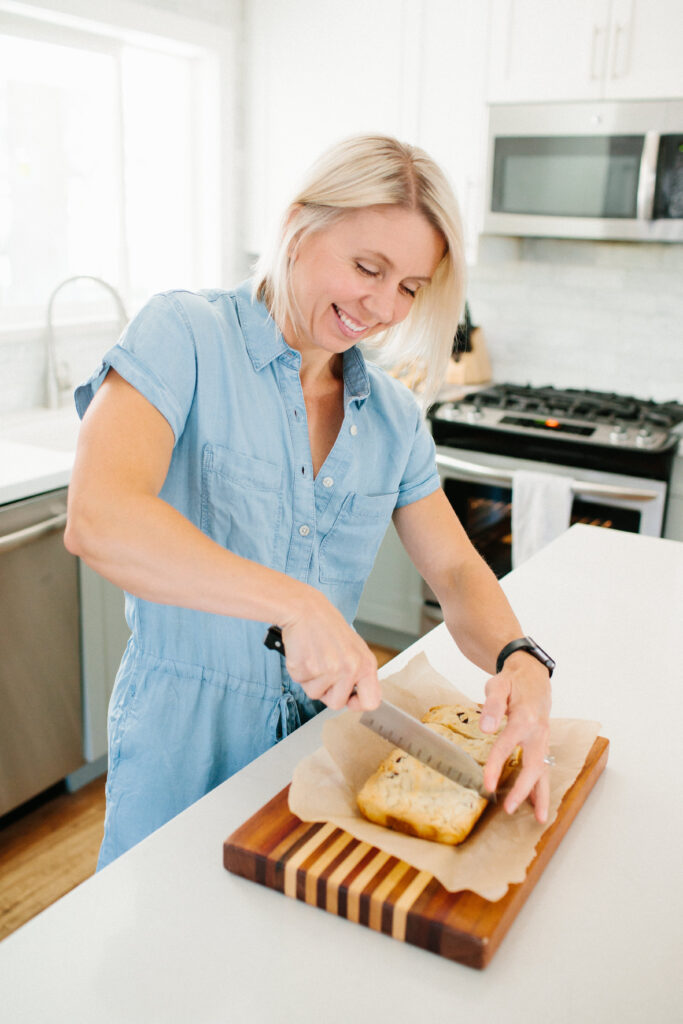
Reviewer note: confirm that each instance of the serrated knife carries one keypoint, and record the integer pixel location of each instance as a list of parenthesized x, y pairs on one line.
[(404, 731)]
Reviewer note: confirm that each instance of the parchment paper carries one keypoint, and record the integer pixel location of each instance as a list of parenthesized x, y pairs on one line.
[(498, 851)]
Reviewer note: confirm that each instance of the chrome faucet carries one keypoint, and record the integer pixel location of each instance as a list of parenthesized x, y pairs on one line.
[(55, 382)]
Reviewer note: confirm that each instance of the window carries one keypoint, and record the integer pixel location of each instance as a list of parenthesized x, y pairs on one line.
[(108, 168)]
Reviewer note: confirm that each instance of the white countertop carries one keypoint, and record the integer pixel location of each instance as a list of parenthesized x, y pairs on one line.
[(36, 451), (166, 935)]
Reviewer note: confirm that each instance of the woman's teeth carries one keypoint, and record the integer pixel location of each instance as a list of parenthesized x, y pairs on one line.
[(351, 324)]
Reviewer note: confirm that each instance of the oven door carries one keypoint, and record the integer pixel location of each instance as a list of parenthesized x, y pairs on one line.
[(479, 487)]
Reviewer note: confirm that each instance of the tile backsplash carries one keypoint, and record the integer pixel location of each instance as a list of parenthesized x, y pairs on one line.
[(600, 315)]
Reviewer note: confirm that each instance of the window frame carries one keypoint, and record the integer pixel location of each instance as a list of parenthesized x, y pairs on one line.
[(212, 50)]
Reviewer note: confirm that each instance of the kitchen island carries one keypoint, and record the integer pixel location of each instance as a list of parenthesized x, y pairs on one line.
[(166, 935)]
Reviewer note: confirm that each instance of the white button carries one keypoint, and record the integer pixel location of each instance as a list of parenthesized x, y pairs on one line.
[(328, 481), (304, 530), (354, 429)]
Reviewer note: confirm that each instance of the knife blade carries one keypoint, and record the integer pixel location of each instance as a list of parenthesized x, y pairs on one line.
[(415, 738)]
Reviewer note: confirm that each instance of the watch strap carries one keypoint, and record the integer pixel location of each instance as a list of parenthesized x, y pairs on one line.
[(525, 643)]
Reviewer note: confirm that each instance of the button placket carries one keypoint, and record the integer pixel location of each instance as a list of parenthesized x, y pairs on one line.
[(303, 528)]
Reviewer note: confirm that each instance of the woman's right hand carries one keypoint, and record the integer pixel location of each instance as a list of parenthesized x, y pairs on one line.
[(328, 658)]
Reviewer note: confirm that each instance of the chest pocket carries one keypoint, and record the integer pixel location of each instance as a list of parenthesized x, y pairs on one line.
[(241, 502), (348, 550)]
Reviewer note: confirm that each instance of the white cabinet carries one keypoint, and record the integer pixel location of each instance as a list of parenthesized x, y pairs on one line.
[(540, 51), (645, 56), (392, 597), (589, 49)]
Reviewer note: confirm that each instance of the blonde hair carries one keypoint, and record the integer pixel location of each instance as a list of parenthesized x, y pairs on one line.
[(373, 170)]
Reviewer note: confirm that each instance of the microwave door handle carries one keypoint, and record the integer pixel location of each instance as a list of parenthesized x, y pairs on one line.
[(474, 471), (647, 177)]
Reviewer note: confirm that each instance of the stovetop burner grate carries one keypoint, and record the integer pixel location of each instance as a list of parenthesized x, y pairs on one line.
[(579, 404)]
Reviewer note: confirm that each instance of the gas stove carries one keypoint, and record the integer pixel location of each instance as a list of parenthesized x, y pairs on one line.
[(571, 426)]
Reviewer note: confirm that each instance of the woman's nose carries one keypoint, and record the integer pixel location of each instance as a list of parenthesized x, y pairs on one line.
[(381, 303)]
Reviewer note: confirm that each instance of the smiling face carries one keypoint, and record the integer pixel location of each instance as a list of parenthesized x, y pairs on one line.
[(360, 276)]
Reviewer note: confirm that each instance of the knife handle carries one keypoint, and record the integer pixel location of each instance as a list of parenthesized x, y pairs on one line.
[(273, 640)]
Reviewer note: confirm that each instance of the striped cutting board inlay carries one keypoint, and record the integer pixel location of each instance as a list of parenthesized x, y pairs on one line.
[(326, 867)]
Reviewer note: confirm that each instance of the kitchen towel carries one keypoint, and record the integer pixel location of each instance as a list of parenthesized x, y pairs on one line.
[(541, 511)]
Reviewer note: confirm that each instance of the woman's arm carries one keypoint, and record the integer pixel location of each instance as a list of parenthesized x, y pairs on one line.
[(481, 621), (118, 525)]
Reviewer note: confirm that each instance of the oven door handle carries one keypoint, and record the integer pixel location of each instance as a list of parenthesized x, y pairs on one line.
[(473, 471)]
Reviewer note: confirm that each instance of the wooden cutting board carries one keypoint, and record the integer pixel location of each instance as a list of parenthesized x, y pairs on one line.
[(328, 868)]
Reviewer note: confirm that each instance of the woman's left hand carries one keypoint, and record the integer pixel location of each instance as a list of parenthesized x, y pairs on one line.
[(522, 692)]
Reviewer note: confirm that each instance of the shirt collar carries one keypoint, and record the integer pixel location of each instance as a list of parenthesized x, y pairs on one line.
[(264, 343)]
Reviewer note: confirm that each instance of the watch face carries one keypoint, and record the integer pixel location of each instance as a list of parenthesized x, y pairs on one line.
[(542, 655)]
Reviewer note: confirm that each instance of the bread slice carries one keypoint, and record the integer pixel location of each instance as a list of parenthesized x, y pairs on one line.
[(405, 795)]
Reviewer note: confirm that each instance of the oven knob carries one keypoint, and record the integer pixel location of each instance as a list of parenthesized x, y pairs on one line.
[(645, 438), (475, 414), (451, 411), (618, 434)]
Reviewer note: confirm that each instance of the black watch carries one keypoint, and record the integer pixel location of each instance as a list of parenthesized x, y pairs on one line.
[(525, 643)]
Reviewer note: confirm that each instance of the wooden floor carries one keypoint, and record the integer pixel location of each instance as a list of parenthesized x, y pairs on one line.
[(47, 850)]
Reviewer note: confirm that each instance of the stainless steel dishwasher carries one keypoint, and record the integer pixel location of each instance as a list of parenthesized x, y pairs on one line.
[(40, 669)]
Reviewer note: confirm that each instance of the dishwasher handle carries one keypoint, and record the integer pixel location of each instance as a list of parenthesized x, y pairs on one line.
[(31, 533), (505, 476)]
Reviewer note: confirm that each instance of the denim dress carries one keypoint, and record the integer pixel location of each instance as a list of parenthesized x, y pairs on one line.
[(197, 695)]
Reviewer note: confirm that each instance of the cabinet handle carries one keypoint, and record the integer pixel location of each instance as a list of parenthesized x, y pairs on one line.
[(31, 533), (596, 72), (618, 72)]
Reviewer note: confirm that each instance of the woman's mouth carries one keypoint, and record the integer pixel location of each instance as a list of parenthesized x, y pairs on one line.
[(352, 328)]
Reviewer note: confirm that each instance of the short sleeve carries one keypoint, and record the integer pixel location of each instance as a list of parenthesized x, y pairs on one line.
[(157, 355), (421, 476)]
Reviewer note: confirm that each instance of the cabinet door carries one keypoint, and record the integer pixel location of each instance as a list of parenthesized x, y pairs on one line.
[(541, 51), (392, 597), (644, 56)]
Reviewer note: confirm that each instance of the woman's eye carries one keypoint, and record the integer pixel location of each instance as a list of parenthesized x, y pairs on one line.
[(410, 291), (366, 270)]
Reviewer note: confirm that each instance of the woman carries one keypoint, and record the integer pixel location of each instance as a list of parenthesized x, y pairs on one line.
[(237, 466)]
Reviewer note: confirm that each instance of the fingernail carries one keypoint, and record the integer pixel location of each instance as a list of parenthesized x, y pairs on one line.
[(487, 723), (511, 808)]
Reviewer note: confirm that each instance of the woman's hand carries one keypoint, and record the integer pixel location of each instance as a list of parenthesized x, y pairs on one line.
[(328, 658), (522, 692)]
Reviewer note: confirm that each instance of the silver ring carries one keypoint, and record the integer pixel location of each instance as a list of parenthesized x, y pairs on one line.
[(549, 760)]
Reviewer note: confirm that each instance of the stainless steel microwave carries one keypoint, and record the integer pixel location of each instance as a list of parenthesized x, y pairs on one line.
[(611, 170)]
